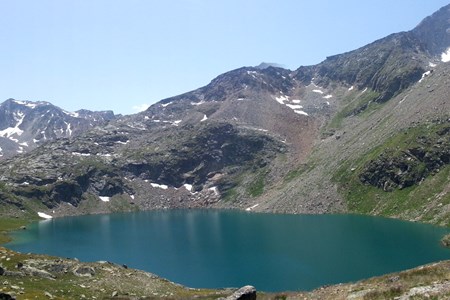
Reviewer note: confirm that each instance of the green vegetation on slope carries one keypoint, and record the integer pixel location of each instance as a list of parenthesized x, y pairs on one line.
[(425, 199), (256, 187), (354, 105)]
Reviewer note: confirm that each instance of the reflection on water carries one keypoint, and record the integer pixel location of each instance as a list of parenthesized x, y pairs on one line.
[(209, 248)]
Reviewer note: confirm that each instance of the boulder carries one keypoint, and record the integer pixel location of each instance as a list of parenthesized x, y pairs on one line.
[(247, 292), (84, 271), (4, 296)]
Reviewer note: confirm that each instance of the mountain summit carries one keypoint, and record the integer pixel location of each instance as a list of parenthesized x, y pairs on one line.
[(25, 125)]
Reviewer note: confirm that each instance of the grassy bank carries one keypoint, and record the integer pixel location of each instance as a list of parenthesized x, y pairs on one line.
[(7, 225)]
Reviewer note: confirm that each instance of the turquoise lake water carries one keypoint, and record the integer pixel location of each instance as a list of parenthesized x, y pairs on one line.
[(214, 249)]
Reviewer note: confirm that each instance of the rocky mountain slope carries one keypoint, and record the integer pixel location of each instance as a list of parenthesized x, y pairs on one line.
[(357, 132), (24, 125)]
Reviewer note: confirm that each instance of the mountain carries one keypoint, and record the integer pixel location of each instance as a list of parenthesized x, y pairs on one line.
[(24, 125), (354, 133)]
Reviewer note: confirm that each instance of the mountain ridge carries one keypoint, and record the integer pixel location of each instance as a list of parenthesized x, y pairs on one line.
[(25, 125)]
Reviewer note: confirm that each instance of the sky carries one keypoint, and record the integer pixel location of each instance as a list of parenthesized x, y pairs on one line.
[(125, 55)]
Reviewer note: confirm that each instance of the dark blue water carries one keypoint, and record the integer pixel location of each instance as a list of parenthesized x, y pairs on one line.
[(213, 249)]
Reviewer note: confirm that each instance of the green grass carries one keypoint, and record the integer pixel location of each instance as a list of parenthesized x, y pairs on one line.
[(256, 187), (362, 103), (422, 201), (297, 172), (7, 225), (230, 195)]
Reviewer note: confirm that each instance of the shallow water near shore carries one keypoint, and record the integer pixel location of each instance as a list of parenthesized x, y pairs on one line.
[(216, 249)]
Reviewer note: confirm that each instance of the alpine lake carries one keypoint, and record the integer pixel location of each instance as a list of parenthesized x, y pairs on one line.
[(217, 248)]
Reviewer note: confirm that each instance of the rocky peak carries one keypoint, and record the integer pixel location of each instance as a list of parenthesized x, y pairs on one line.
[(26, 124), (434, 32), (388, 65), (95, 116)]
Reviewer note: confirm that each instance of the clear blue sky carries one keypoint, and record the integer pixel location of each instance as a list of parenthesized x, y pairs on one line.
[(109, 54)]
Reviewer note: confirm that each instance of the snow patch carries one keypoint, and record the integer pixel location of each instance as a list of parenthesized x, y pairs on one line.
[(44, 215), (166, 104), (26, 103), (175, 123), (69, 129), (318, 91), (215, 190), (445, 56), (72, 114), (161, 186), (204, 118), (294, 106), (351, 88), (132, 197), (10, 131), (197, 103), (425, 75), (364, 90), (301, 112), (104, 198), (252, 207), (188, 187), (123, 143), (296, 101), (104, 155), (80, 154), (432, 65), (281, 99), (328, 97)]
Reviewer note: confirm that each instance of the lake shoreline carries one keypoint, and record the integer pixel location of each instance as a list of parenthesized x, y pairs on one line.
[(397, 283), (263, 221)]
